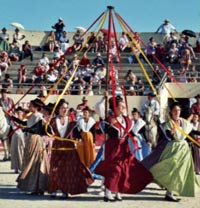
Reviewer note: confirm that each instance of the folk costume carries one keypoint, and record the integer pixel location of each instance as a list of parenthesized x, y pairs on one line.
[(67, 172), (35, 167), (123, 173), (86, 146), (175, 169)]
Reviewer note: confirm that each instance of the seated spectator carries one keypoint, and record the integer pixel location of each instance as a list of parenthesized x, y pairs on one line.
[(44, 60), (89, 91), (78, 86), (78, 40), (51, 76), (134, 52), (84, 62), (182, 75), (59, 27), (27, 50), (185, 58), (130, 77), (139, 87), (113, 53), (160, 52), (157, 75), (192, 73), (5, 62), (51, 41), (75, 62), (22, 75), (173, 54), (100, 45), (92, 43), (123, 42), (17, 36), (98, 62), (95, 82), (15, 53), (38, 73), (7, 83), (4, 38), (170, 39), (64, 42), (151, 49)]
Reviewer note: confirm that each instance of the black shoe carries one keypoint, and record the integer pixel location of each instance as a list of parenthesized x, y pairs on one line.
[(169, 198), (64, 196), (106, 199), (52, 196), (118, 199)]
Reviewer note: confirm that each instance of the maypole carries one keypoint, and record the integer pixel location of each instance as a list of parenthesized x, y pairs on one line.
[(110, 8)]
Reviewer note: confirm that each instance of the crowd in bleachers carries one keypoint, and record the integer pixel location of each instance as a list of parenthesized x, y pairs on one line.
[(90, 76)]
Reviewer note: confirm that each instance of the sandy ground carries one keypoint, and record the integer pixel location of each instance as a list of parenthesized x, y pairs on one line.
[(151, 197)]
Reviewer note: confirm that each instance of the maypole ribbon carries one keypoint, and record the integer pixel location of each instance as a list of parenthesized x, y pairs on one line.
[(61, 95), (136, 43), (140, 40)]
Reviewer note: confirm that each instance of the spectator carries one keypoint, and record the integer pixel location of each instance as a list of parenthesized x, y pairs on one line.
[(64, 42), (78, 40), (98, 62), (15, 53), (195, 108), (84, 62), (27, 50), (92, 43), (17, 36), (5, 62), (157, 75), (7, 83), (139, 87), (113, 53), (51, 76), (51, 41), (170, 39), (38, 73), (160, 52), (166, 28), (173, 54), (151, 49), (59, 27), (123, 42), (182, 75), (100, 45), (22, 75), (44, 60), (185, 58), (193, 73), (4, 38)]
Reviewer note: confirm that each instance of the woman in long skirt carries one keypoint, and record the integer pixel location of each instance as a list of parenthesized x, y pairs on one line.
[(122, 172)]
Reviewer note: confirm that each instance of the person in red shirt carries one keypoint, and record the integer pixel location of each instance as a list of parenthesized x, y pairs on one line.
[(195, 108)]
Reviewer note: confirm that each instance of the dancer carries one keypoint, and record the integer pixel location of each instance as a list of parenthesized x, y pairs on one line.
[(35, 168), (174, 170), (17, 142), (67, 173), (139, 131), (196, 151), (122, 172), (86, 135)]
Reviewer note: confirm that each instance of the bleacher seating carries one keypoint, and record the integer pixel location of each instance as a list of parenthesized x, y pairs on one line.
[(125, 67)]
